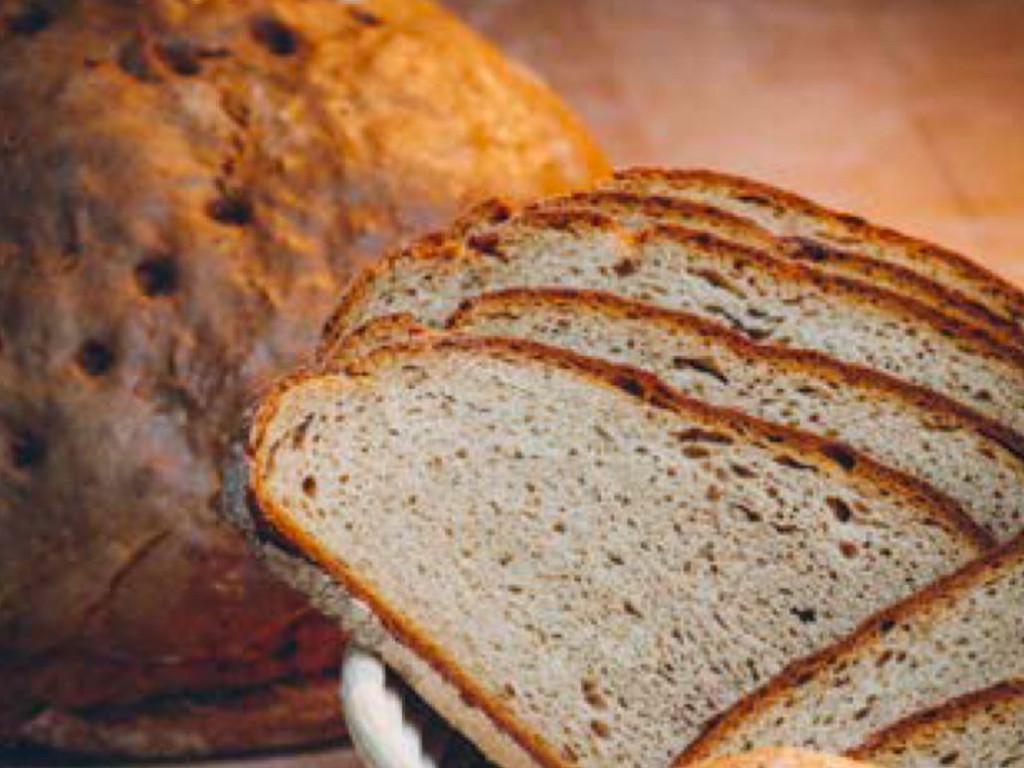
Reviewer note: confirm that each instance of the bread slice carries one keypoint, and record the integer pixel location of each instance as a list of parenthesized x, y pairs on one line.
[(635, 210), (979, 730), (964, 633), (569, 561), (972, 460), (786, 214), (763, 298), (782, 757)]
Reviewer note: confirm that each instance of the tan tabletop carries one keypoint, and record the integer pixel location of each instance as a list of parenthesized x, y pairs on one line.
[(910, 113)]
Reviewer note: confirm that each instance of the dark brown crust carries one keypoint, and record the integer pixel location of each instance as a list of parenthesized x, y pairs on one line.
[(779, 269), (956, 710), (632, 381), (892, 277), (1002, 291), (929, 598), (816, 363)]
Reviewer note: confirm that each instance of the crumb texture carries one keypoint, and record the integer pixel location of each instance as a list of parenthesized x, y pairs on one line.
[(610, 573)]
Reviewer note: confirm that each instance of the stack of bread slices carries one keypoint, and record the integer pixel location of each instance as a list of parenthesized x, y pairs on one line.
[(673, 468)]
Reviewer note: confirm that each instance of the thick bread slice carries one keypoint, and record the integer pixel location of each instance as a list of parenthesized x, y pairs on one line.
[(638, 211), (964, 633), (983, 729), (572, 563), (787, 214), (972, 460), (755, 294), (782, 757)]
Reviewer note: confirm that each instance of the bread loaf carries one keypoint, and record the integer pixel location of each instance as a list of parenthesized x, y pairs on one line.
[(184, 187), (551, 549)]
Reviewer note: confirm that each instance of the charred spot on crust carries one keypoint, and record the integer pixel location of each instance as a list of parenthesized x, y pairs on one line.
[(30, 20), (840, 454), (95, 358), (180, 57), (630, 384), (808, 250), (274, 35), (364, 17), (232, 208), (27, 449), (157, 275)]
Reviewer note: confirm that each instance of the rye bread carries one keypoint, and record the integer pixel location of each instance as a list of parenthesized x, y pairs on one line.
[(978, 730), (184, 189), (972, 460), (961, 634), (636, 210), (790, 215), (632, 521), (748, 290)]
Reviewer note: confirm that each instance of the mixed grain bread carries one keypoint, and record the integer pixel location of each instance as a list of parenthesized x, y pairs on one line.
[(748, 290), (961, 634), (976, 462), (789, 215), (635, 210), (978, 730), (184, 189), (782, 757), (542, 544), (972, 460)]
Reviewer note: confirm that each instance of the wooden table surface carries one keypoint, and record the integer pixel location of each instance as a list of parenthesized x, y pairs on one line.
[(910, 112)]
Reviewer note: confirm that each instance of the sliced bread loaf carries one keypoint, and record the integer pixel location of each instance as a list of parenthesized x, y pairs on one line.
[(972, 460), (635, 210), (964, 633), (983, 729), (569, 561), (754, 294), (786, 214)]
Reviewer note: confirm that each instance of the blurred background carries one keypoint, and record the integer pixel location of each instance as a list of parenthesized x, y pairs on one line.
[(910, 112)]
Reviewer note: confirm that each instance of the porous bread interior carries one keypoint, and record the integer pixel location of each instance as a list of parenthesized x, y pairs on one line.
[(785, 214), (938, 446), (745, 290), (608, 573), (634, 210), (986, 731), (944, 645)]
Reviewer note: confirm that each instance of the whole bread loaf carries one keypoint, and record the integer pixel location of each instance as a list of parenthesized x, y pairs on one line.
[(184, 187)]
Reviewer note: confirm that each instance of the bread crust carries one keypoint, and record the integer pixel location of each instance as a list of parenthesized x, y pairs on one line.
[(921, 726), (1008, 300), (828, 456), (730, 226), (930, 599)]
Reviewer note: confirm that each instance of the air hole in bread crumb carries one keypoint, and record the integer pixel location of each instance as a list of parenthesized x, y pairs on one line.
[(701, 365), (30, 20), (600, 729), (309, 486), (95, 358), (157, 276), (840, 509), (180, 57), (274, 35), (27, 449), (232, 208), (848, 549), (806, 615)]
